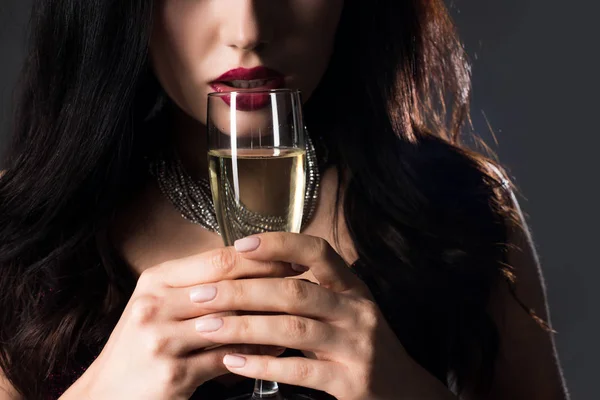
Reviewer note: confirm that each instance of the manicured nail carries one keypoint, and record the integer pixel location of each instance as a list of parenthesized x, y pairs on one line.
[(209, 324), (202, 294), (247, 244), (299, 268), (234, 361)]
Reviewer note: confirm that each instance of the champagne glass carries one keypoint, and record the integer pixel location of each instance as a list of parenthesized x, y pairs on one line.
[(257, 163)]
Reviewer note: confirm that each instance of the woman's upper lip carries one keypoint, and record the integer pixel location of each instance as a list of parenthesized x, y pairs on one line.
[(245, 74)]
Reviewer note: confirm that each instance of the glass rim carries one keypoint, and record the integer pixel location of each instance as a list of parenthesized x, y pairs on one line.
[(255, 91)]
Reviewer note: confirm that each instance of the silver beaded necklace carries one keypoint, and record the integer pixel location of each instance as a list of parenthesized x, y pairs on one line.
[(193, 198)]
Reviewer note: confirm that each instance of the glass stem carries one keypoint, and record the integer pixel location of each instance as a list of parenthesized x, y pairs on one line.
[(266, 390)]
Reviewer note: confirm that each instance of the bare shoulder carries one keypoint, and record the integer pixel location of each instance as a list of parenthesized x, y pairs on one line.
[(527, 366), (7, 391)]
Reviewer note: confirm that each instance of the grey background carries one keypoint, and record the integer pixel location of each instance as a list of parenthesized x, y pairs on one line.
[(535, 65)]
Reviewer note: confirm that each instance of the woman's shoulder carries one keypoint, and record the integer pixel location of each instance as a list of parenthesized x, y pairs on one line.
[(7, 390)]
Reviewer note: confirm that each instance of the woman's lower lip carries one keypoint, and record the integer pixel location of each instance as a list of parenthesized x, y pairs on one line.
[(249, 101)]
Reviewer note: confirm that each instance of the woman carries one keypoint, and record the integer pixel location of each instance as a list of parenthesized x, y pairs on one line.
[(108, 293)]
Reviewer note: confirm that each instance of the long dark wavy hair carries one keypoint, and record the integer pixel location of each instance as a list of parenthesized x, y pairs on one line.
[(428, 217)]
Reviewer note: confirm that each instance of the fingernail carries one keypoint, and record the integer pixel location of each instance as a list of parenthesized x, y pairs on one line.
[(209, 324), (247, 244), (299, 268), (234, 361), (202, 294)]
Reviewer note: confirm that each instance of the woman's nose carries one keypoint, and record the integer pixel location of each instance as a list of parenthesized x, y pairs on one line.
[(248, 25)]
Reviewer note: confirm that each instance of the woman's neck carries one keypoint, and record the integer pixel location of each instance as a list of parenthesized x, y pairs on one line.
[(189, 138)]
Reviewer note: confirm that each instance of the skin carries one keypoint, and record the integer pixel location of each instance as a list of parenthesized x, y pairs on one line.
[(294, 37), (156, 352)]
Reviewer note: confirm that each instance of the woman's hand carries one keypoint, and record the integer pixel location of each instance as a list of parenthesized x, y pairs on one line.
[(155, 351), (353, 353)]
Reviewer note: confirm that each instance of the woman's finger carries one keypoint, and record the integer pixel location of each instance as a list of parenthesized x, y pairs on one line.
[(190, 302), (179, 338), (312, 252), (212, 266), (327, 376), (276, 330), (290, 296), (208, 364)]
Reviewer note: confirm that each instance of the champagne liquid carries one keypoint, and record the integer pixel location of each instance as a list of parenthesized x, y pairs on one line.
[(257, 190)]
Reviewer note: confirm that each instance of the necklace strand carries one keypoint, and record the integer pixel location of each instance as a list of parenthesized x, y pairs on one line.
[(193, 198)]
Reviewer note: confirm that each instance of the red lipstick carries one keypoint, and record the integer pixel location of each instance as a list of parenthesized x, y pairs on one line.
[(254, 79)]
